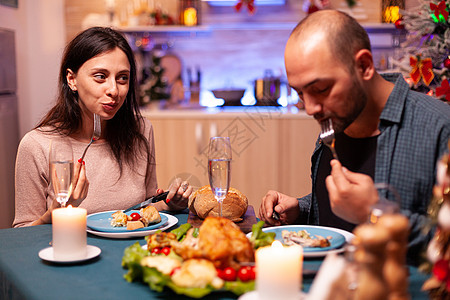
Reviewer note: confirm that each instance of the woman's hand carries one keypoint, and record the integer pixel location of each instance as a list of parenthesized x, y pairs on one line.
[(80, 186), (178, 197)]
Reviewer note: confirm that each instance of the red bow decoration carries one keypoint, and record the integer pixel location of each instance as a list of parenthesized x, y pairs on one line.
[(249, 3), (422, 68), (444, 90), (440, 9)]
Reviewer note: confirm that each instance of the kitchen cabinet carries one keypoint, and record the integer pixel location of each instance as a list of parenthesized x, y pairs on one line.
[(271, 147)]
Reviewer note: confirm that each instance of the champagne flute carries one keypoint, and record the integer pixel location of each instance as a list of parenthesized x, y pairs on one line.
[(61, 169), (384, 206), (219, 168)]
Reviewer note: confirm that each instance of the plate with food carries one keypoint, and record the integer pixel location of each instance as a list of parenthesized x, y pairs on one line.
[(316, 240), (171, 221), (217, 257)]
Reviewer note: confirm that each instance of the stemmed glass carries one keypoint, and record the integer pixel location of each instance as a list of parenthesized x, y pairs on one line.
[(383, 205), (219, 168), (61, 169)]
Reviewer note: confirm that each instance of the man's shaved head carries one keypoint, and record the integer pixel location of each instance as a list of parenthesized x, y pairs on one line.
[(343, 35)]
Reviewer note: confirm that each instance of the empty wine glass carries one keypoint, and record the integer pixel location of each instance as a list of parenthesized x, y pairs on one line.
[(61, 169), (384, 205), (219, 168)]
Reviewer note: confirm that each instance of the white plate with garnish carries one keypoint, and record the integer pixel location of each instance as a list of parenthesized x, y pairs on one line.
[(102, 222), (171, 221), (339, 238)]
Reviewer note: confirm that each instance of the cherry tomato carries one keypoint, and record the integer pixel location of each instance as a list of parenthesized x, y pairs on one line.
[(228, 274), (246, 273), (219, 273), (165, 251), (135, 217), (176, 269), (156, 250)]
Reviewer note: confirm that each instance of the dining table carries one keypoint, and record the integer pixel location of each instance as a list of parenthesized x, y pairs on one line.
[(24, 275)]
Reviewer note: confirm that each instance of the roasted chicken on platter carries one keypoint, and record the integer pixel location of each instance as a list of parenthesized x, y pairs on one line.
[(219, 240)]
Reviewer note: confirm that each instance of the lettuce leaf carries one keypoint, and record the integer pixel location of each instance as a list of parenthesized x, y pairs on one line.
[(191, 292), (180, 232), (131, 260), (155, 279), (260, 238), (238, 287)]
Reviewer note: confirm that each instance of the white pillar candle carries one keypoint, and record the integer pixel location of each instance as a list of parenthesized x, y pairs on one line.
[(279, 271), (69, 233)]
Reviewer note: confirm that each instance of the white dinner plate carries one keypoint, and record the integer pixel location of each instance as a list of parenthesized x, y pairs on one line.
[(336, 233), (102, 222), (47, 255), (172, 220)]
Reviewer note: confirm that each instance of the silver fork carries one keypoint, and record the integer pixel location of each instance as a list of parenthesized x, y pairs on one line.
[(327, 135), (95, 134)]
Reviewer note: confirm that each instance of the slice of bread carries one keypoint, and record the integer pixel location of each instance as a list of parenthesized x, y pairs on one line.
[(132, 225)]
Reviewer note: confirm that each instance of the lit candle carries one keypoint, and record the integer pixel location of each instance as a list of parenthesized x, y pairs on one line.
[(279, 271), (190, 16), (69, 233)]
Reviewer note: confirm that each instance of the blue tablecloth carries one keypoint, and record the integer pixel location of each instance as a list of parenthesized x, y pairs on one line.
[(23, 275)]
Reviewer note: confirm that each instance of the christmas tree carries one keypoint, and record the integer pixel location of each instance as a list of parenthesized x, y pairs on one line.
[(156, 86), (426, 50)]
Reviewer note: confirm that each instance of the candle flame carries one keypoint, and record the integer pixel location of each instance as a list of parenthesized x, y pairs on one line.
[(70, 206)]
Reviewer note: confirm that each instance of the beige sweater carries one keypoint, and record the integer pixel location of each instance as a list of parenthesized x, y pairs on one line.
[(107, 191)]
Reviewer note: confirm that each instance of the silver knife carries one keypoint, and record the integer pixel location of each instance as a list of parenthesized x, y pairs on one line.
[(147, 202)]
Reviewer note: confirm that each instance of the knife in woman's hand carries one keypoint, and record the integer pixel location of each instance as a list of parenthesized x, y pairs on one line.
[(152, 199)]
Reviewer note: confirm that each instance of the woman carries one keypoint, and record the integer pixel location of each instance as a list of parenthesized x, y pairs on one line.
[(97, 75)]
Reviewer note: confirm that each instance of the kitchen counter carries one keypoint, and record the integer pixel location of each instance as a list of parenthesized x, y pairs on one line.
[(226, 112)]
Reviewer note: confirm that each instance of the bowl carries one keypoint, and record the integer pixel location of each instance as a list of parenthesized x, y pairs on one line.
[(230, 96)]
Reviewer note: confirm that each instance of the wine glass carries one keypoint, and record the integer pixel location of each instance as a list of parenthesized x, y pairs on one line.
[(383, 205), (61, 169), (219, 168)]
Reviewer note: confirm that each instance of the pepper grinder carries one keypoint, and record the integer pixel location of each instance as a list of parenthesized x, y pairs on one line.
[(395, 271), (370, 256)]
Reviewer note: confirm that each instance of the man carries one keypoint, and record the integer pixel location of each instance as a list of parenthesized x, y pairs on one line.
[(386, 133)]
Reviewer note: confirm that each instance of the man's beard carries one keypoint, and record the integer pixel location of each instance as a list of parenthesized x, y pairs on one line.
[(357, 99)]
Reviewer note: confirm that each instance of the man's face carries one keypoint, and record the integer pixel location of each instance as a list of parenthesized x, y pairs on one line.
[(324, 84)]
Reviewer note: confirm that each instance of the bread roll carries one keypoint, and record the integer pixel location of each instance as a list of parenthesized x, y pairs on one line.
[(203, 204)]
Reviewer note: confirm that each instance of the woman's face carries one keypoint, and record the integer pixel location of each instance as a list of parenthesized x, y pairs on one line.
[(102, 83)]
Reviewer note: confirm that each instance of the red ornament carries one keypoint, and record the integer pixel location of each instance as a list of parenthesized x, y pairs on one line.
[(441, 269), (440, 9), (399, 24), (249, 3), (421, 68), (443, 90), (447, 62)]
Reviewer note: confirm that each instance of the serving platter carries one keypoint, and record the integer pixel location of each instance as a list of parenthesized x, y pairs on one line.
[(338, 238), (171, 221)]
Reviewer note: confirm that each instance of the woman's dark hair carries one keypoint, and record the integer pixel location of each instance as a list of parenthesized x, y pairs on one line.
[(123, 131)]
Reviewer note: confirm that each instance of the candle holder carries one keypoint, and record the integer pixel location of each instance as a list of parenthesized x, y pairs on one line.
[(69, 237), (190, 12)]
